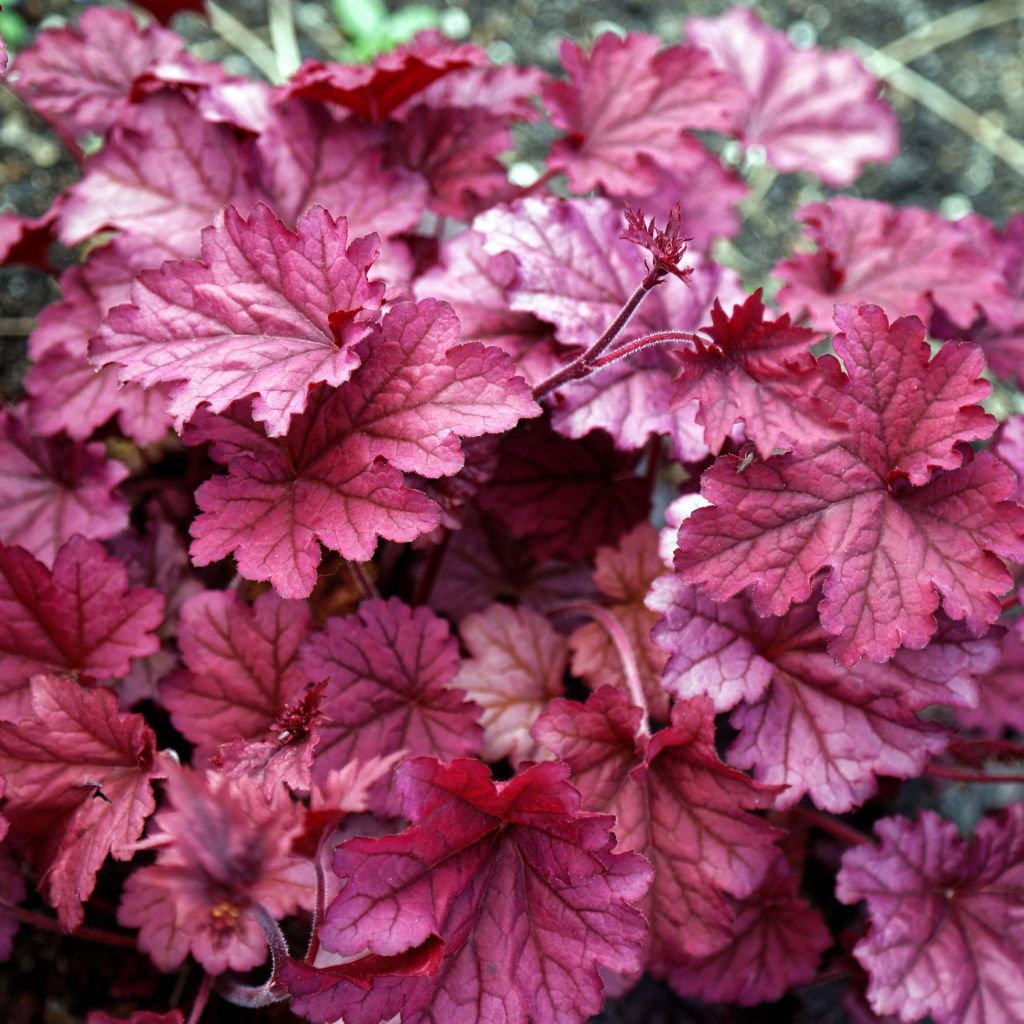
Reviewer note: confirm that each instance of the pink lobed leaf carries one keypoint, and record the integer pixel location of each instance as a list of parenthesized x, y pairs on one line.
[(337, 476), (946, 936), (506, 874), (804, 722), (52, 489), (1000, 703), (456, 151), (79, 777), (632, 98), (477, 286), (482, 563), (904, 259), (776, 943), (162, 177), (811, 110), (266, 312), (308, 156), (761, 372), (81, 617), (389, 670), (81, 78), (896, 535), (516, 665), (243, 668), (286, 759), (676, 803), (1000, 330)]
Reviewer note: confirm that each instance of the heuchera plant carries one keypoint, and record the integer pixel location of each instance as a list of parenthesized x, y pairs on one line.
[(333, 603)]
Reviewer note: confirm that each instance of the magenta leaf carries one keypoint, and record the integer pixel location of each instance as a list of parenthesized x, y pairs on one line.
[(321, 993), (267, 312), (243, 669), (632, 98), (623, 574), (225, 850), (575, 269), (810, 111), (79, 783), (52, 489), (1000, 332), (163, 178), (805, 722), (516, 665), (759, 371), (1000, 702), (676, 803), (896, 535), (375, 91), (508, 874), (308, 156), (81, 78), (482, 563), (337, 476), (477, 285), (564, 498), (903, 259), (776, 942), (68, 394), (81, 617), (946, 937), (388, 669)]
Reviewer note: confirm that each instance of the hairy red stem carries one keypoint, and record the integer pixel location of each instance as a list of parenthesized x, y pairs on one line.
[(639, 344), (584, 363), (320, 907)]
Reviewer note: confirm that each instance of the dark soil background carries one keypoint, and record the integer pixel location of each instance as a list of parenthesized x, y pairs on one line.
[(958, 86)]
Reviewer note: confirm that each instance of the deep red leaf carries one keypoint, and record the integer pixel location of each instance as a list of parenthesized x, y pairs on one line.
[(509, 875), (675, 802), (80, 618), (895, 534), (376, 90), (79, 785), (388, 669)]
